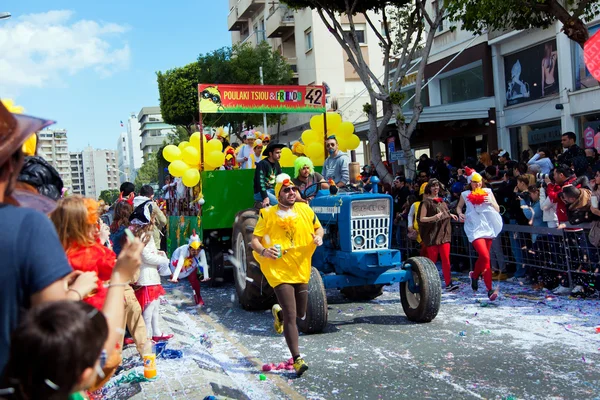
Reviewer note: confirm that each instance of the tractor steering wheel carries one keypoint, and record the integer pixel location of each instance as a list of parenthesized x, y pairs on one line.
[(303, 193)]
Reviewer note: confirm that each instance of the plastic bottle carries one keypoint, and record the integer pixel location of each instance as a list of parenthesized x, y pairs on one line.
[(149, 361)]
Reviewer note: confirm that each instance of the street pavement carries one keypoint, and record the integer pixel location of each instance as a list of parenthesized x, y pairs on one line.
[(526, 345)]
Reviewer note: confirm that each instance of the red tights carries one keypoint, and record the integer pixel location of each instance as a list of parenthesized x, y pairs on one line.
[(482, 265), (443, 250), (195, 283)]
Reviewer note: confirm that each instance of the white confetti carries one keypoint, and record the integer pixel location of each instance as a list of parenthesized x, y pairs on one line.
[(267, 239), (51, 384)]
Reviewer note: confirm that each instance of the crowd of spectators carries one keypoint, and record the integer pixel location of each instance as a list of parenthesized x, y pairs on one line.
[(546, 189)]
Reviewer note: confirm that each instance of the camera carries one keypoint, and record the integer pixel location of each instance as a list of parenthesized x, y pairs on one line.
[(541, 177), (524, 195)]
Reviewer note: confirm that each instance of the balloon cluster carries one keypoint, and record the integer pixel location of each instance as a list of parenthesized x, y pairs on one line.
[(314, 138), (185, 158)]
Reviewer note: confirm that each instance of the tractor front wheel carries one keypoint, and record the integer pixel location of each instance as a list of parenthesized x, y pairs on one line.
[(422, 296), (316, 311)]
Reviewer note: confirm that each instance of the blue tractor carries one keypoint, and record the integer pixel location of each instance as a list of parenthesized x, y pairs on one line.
[(356, 257)]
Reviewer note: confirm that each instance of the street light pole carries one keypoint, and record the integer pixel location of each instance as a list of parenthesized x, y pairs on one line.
[(5, 15)]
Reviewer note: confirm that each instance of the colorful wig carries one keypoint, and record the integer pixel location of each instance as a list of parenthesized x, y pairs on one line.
[(302, 162)]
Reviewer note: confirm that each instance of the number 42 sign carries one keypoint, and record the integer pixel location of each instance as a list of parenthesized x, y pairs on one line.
[(314, 96)]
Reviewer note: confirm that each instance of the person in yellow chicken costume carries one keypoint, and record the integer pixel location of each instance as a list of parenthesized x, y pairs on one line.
[(285, 238)]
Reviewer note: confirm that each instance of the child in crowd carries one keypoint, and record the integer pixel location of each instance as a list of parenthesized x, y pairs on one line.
[(77, 224), (188, 261), (154, 264), (66, 340)]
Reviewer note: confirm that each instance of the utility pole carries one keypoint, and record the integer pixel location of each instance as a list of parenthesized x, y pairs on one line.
[(262, 82)]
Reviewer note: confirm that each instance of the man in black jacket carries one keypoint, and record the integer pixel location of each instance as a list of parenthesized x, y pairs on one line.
[(265, 174), (573, 154)]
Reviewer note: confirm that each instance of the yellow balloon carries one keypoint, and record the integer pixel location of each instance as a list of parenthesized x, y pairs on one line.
[(171, 153), (183, 145), (177, 168), (316, 123), (314, 151), (191, 177), (195, 140), (333, 121), (191, 156), (346, 129), (319, 161), (309, 136), (300, 149), (342, 143), (215, 159), (353, 142), (213, 145)]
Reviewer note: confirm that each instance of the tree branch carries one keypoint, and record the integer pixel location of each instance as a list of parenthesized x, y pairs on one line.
[(578, 12), (379, 36)]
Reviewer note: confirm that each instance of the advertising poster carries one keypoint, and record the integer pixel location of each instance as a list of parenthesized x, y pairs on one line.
[(583, 78), (215, 98), (531, 74)]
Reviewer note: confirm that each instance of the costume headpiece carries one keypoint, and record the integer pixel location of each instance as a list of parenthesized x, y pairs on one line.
[(302, 162), (472, 176), (221, 133), (422, 189), (15, 130), (257, 143), (142, 215), (282, 180), (195, 242), (250, 135)]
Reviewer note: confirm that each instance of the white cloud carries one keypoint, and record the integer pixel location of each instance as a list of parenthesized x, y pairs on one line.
[(41, 49)]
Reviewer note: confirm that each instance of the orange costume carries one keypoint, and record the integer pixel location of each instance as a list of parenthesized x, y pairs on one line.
[(95, 258)]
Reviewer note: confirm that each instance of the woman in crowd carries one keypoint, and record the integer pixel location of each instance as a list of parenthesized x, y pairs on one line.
[(154, 264), (73, 345), (77, 224), (121, 221), (482, 224), (436, 230)]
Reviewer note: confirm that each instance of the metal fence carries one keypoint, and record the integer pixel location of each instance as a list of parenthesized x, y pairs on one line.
[(550, 255)]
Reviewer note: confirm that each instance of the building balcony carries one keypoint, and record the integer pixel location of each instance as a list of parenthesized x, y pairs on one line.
[(281, 22), (248, 8), (293, 62), (234, 22)]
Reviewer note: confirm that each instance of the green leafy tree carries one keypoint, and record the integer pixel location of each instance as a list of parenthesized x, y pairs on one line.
[(400, 27), (148, 173), (109, 196), (178, 87), (480, 15)]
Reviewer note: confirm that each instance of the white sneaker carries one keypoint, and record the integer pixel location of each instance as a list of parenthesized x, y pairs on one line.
[(577, 290), (562, 290), (515, 279)]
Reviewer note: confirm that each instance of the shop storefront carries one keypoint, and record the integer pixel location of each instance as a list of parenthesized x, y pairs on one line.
[(531, 137)]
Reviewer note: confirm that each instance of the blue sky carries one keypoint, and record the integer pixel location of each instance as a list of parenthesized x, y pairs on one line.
[(87, 65)]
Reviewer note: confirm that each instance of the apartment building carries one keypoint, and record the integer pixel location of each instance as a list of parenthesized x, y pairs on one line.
[(134, 139), (99, 171), (54, 148), (153, 130), (77, 176), (123, 154), (313, 53)]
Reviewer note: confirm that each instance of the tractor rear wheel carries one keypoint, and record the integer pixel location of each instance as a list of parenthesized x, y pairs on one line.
[(421, 302), (316, 311), (362, 293), (253, 290)]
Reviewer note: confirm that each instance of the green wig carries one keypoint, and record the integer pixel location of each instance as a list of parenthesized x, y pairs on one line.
[(302, 162)]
